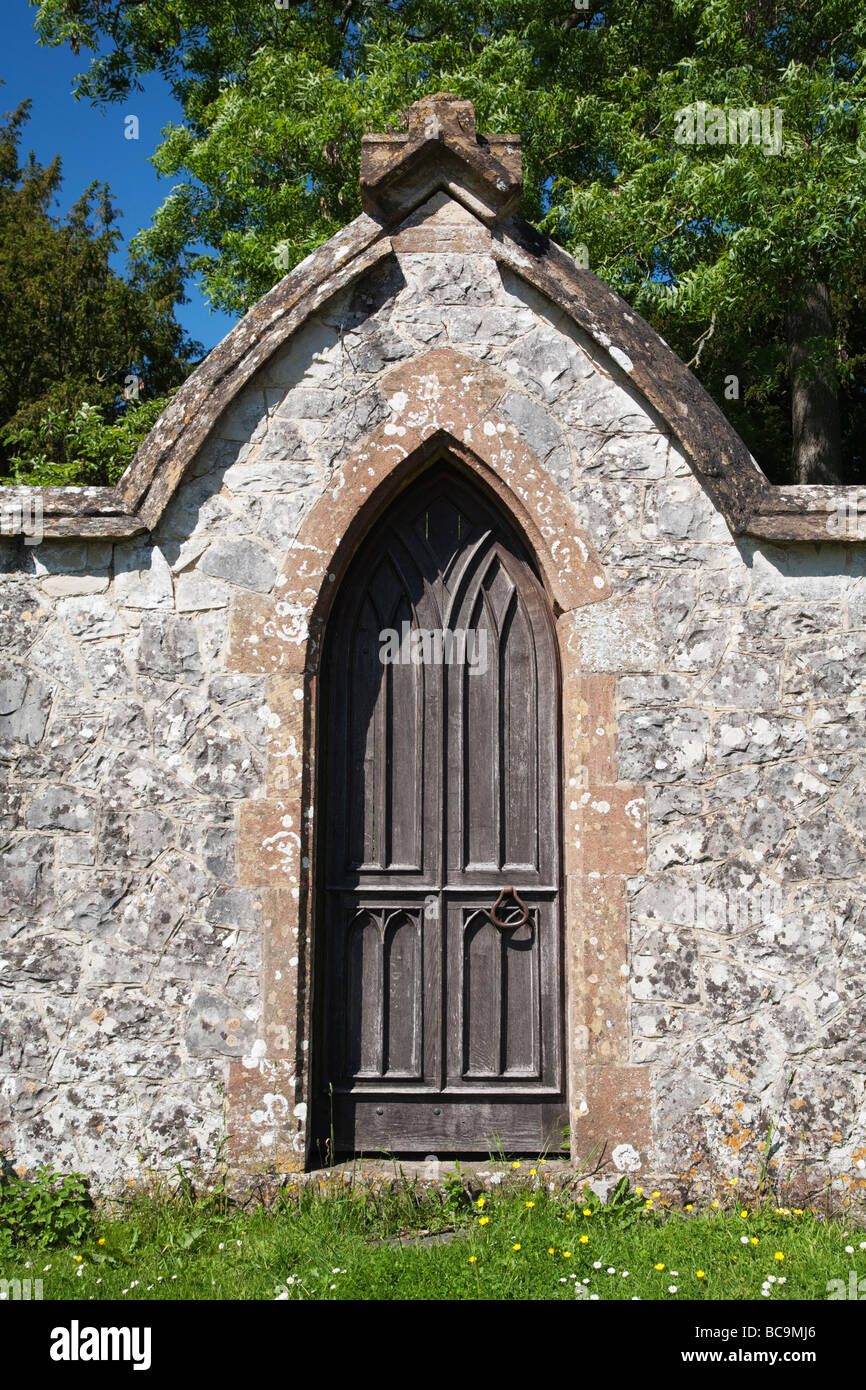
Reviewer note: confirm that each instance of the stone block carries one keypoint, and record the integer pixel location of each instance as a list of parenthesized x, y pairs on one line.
[(215, 1028), (142, 577), (618, 635), (240, 562), (614, 829), (615, 1117)]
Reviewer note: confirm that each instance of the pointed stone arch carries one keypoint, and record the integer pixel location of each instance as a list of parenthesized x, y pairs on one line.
[(440, 404), (440, 400)]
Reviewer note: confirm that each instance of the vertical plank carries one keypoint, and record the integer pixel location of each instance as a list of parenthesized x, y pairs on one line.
[(482, 997), (363, 754), (405, 766), (480, 773), (404, 992), (364, 1003), (520, 1001), (520, 741)]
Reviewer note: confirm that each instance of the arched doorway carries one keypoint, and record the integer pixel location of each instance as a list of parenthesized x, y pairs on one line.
[(438, 1003)]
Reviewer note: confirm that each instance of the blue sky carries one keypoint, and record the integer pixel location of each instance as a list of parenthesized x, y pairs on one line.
[(91, 143)]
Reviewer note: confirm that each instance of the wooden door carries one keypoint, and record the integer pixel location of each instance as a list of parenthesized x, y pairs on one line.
[(439, 1004)]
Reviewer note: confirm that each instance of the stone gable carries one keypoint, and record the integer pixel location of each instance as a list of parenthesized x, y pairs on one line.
[(158, 708)]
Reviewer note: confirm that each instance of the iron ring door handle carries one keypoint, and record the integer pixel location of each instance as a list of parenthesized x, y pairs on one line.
[(509, 926)]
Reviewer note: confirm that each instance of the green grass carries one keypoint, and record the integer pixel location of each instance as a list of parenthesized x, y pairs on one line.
[(338, 1243)]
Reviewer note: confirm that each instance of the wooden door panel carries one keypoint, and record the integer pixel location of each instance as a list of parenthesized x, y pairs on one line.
[(403, 992), (500, 1000), (519, 747), (403, 688), (503, 729), (364, 717), (503, 998), (439, 1124), (477, 699), (382, 731), (383, 993), (437, 1029), (363, 996), (498, 734)]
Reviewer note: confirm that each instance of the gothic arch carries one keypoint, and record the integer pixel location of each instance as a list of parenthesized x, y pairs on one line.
[(439, 404)]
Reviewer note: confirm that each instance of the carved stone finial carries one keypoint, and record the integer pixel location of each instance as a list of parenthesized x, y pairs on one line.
[(440, 150)]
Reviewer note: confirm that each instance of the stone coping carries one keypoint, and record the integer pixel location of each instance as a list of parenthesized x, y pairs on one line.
[(441, 151)]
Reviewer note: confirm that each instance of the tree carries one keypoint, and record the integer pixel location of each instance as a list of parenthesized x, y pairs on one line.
[(708, 154), (73, 333)]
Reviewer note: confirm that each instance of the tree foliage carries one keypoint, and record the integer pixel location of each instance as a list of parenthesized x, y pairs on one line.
[(716, 244), (79, 344), (77, 445)]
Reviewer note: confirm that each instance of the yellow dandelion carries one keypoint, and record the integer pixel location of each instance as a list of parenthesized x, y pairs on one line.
[(569, 1215), (78, 1259), (515, 1164), (639, 1191), (101, 1240), (744, 1213), (550, 1250), (658, 1266), (533, 1172), (699, 1274), (798, 1211), (689, 1206), (566, 1254), (584, 1240), (656, 1194), (587, 1212), (778, 1255), (482, 1201), (530, 1204), (715, 1204), (515, 1247), (754, 1240), (483, 1220), (473, 1259)]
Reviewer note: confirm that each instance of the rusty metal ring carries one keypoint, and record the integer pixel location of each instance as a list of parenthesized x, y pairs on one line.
[(508, 926)]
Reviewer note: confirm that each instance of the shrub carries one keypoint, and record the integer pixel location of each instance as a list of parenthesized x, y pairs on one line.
[(77, 447), (45, 1209)]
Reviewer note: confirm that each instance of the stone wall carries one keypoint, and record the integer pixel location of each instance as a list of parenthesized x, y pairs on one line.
[(131, 970)]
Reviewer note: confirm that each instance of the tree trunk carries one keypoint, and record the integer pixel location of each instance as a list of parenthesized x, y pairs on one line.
[(816, 454)]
